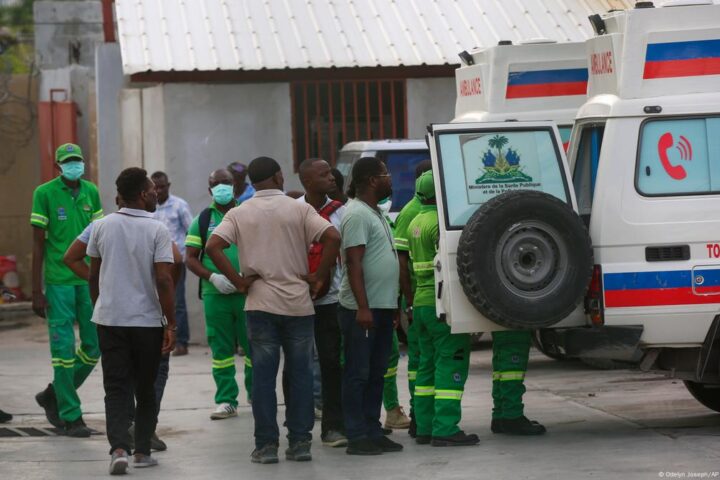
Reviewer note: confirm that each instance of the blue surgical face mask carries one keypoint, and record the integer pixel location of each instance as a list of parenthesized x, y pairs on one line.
[(222, 194), (384, 205), (72, 170)]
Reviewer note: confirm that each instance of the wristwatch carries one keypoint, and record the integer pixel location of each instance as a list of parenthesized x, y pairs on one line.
[(408, 309)]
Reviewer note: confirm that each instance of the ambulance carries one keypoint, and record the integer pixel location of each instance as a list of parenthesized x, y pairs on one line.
[(643, 179)]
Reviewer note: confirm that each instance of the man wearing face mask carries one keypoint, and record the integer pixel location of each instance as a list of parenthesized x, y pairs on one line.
[(61, 210), (224, 305)]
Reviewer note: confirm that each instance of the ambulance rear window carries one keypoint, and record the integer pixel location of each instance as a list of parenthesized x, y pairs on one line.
[(478, 165), (679, 157)]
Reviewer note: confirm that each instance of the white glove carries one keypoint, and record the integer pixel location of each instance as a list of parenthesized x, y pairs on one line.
[(222, 283)]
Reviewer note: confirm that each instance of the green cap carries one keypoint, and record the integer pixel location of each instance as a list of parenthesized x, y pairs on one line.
[(66, 151), (425, 186)]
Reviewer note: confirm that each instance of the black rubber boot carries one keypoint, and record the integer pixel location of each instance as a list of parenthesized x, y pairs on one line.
[(423, 439), (5, 417), (412, 429), (77, 429), (517, 426), (460, 439), (46, 399)]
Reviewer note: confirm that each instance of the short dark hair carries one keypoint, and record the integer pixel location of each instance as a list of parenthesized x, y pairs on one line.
[(305, 165), (131, 183), (339, 179), (422, 167), (160, 174), (262, 168), (362, 170)]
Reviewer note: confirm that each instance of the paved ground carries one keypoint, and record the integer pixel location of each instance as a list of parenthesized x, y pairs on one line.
[(602, 424)]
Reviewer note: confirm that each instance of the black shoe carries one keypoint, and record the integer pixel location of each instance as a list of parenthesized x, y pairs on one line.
[(387, 445), (77, 429), (363, 446), (5, 417), (46, 399), (157, 444), (423, 439), (460, 439), (412, 429), (387, 431), (517, 426)]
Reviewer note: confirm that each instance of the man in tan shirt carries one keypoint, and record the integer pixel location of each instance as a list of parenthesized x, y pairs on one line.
[(273, 233)]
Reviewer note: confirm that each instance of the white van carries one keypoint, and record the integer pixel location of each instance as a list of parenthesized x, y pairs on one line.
[(645, 158)]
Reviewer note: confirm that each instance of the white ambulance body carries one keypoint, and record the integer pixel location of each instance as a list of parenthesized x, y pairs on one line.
[(646, 172)]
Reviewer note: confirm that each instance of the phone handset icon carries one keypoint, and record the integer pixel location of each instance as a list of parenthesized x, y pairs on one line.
[(676, 172)]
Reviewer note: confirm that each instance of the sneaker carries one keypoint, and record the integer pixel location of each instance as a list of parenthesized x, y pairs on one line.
[(180, 350), (517, 426), (157, 444), (299, 451), (5, 417), (387, 445), (333, 438), (77, 429), (459, 439), (266, 454), (144, 461), (46, 399), (423, 439), (397, 419), (224, 410), (118, 462), (364, 446)]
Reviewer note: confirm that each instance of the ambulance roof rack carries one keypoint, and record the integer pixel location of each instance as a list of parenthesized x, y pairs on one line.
[(686, 3), (644, 5), (505, 42), (537, 41)]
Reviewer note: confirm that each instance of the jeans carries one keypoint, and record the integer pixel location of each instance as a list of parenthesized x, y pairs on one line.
[(268, 333), (130, 359), (160, 382), (181, 316), (366, 359), (328, 343)]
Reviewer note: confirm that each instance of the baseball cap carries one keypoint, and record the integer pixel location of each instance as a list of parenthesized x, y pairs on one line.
[(425, 186), (67, 151)]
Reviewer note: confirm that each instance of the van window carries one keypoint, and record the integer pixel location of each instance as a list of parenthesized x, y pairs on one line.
[(586, 167), (479, 165), (401, 165), (675, 157), (565, 132)]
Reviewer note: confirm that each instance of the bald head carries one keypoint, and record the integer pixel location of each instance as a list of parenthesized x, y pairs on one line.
[(316, 176), (221, 175)]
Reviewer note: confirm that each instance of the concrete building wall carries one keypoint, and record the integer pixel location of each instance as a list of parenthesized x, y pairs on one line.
[(429, 100), (66, 32)]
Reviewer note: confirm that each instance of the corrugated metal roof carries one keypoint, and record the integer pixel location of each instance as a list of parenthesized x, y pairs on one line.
[(187, 35)]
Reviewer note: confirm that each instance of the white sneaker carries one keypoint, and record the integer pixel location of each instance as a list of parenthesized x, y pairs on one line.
[(224, 410), (118, 462)]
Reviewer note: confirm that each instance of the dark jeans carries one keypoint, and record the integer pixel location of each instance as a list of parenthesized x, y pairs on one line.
[(130, 359), (328, 344), (366, 360), (160, 382), (268, 333), (181, 316)]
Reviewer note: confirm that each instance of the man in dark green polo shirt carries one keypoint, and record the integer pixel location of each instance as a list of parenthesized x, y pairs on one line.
[(224, 305), (61, 210)]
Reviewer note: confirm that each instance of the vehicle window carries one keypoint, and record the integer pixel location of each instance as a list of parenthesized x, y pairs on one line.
[(586, 166), (402, 167), (345, 162), (479, 165), (674, 157), (565, 136)]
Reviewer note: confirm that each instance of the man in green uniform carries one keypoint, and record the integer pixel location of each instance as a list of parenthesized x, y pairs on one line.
[(61, 210), (224, 305), (511, 350), (444, 357), (407, 288)]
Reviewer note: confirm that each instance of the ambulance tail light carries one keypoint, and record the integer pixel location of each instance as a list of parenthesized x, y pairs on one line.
[(594, 298)]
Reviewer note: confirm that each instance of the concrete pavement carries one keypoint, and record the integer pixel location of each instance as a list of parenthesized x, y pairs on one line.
[(601, 424)]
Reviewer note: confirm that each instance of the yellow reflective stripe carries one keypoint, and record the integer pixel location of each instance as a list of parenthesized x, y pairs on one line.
[(85, 358), (508, 376), (391, 372), (448, 395), (98, 215), (424, 391), (248, 362), (401, 242), (60, 362), (193, 241), (40, 220), (412, 374), (422, 266), (224, 361)]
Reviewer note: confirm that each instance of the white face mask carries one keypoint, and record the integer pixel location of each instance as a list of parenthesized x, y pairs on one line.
[(385, 205)]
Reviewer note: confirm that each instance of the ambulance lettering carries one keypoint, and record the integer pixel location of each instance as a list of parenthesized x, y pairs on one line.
[(601, 63), (470, 87), (676, 172), (713, 250)]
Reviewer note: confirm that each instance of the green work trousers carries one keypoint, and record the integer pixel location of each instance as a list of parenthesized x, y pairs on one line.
[(225, 328), (68, 304), (390, 390), (510, 358), (413, 362), (444, 363)]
